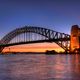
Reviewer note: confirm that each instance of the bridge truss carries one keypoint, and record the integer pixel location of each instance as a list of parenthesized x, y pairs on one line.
[(30, 34)]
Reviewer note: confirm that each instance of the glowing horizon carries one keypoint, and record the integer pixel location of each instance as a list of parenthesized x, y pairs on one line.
[(39, 47)]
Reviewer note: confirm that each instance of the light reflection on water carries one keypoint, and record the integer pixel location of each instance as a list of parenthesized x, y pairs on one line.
[(40, 67)]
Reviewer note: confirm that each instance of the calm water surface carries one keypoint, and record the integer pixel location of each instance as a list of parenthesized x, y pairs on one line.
[(40, 67)]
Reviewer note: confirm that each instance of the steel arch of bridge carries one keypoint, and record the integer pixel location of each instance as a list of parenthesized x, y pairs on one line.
[(62, 39)]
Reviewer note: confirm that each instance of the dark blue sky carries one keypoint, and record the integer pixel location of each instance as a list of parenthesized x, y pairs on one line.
[(58, 15)]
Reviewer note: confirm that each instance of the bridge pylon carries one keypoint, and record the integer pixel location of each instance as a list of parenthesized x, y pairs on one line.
[(75, 38)]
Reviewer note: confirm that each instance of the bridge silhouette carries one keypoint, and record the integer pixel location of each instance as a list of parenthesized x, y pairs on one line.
[(31, 34)]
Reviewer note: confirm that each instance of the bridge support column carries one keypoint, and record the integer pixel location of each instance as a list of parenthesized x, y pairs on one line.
[(1, 48), (75, 38)]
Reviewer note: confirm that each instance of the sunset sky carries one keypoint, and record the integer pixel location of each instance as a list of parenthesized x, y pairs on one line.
[(41, 47), (58, 15)]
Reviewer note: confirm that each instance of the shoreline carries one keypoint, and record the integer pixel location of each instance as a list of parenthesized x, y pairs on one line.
[(46, 53)]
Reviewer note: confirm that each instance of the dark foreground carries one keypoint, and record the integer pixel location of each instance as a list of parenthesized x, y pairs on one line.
[(40, 67)]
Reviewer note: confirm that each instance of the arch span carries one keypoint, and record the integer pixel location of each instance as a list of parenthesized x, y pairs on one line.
[(61, 39)]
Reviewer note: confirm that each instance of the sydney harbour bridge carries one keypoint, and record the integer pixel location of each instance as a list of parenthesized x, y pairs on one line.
[(31, 34)]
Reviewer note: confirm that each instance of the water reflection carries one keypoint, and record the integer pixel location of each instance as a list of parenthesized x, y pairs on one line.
[(40, 67)]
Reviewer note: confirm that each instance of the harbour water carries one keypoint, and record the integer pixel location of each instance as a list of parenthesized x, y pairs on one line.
[(40, 67)]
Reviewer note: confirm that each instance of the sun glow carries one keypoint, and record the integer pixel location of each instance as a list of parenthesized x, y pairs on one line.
[(39, 47)]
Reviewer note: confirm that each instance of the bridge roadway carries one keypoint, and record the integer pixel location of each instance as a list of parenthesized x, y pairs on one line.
[(37, 41)]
